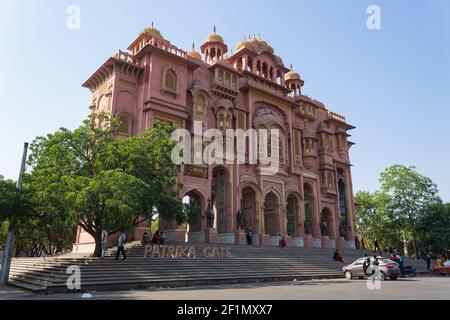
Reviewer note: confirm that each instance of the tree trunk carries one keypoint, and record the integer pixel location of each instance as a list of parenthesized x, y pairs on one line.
[(98, 244), (415, 245)]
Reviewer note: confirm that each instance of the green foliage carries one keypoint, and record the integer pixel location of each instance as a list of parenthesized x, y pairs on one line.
[(393, 214), (192, 212), (91, 178), (433, 229)]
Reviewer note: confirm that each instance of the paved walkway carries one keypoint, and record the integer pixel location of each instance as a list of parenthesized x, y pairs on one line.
[(408, 289)]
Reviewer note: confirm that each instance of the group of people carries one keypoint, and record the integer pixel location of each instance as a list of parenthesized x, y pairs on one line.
[(120, 244), (157, 238)]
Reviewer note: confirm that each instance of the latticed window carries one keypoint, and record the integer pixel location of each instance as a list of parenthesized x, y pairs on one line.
[(224, 121), (328, 179), (170, 80), (200, 106), (342, 198), (342, 141), (281, 151), (308, 146), (325, 141)]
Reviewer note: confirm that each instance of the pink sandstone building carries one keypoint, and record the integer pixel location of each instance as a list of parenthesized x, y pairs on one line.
[(309, 201)]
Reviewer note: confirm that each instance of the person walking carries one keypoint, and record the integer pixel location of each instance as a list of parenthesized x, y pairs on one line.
[(162, 238), (121, 245), (377, 246), (400, 261), (428, 258), (363, 243), (366, 265), (249, 236), (104, 243), (357, 243)]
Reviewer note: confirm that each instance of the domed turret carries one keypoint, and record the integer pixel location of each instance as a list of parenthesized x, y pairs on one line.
[(293, 81), (194, 54), (214, 47), (255, 44), (152, 32)]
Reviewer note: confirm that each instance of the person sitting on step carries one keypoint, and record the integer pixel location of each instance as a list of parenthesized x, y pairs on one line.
[(338, 257)]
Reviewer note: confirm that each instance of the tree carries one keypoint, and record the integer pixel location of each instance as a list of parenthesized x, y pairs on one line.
[(410, 195), (91, 178), (433, 229), (374, 219)]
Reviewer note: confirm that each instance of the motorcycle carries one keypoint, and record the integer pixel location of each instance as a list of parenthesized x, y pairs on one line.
[(409, 271)]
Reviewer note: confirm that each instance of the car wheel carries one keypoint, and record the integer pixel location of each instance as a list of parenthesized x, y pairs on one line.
[(381, 276), (393, 278), (348, 275)]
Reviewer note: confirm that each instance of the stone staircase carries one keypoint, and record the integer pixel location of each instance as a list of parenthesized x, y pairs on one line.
[(248, 264)]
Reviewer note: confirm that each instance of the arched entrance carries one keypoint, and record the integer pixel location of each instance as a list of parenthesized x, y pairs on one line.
[(194, 206), (291, 215), (248, 207), (271, 203), (219, 198), (343, 209), (309, 208), (326, 223)]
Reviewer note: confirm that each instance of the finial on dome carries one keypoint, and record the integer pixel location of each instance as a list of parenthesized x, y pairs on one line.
[(193, 46), (215, 30), (292, 68)]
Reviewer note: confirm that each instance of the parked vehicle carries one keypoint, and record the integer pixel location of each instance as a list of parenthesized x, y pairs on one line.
[(386, 267), (409, 271), (441, 270)]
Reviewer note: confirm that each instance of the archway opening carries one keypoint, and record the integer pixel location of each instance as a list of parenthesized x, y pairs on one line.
[(325, 223), (291, 215), (309, 208), (270, 214), (193, 206), (248, 207), (219, 198)]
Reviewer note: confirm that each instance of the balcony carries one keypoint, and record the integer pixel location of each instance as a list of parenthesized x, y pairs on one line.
[(196, 171)]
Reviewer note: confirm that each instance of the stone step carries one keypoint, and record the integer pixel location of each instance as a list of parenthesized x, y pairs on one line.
[(247, 264)]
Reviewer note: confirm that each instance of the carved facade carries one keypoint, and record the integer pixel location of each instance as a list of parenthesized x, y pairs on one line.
[(310, 200)]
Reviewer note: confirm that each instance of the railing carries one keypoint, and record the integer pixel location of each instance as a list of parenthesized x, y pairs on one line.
[(335, 116), (166, 46), (124, 56)]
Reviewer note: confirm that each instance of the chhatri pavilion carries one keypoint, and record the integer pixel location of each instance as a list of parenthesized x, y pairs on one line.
[(309, 201)]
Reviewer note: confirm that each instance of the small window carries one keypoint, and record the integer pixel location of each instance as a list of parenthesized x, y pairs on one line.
[(125, 124), (199, 106), (170, 80)]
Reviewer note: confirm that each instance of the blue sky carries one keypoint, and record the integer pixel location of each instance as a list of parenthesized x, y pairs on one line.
[(393, 84)]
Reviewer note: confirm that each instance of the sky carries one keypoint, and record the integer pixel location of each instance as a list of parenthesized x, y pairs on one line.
[(393, 83)]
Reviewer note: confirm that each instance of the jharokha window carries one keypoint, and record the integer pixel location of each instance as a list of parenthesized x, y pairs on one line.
[(170, 80), (308, 146), (281, 156), (199, 106), (224, 121), (325, 141), (328, 179)]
